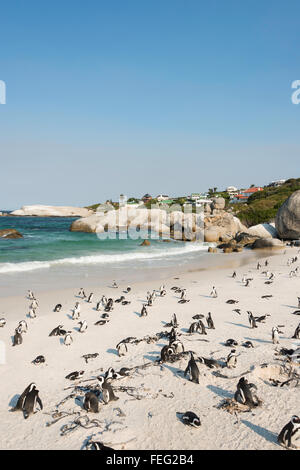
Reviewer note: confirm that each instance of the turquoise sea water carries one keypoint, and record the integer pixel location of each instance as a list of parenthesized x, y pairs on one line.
[(48, 243)]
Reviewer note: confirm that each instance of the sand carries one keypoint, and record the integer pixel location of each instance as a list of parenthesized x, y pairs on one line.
[(152, 421)]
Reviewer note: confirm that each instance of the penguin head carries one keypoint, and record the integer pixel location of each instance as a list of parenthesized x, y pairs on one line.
[(295, 419), (101, 380)]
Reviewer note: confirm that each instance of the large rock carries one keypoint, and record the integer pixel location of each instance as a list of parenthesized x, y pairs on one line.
[(267, 243), (218, 203), (287, 220), (221, 226), (263, 231), (10, 233), (52, 211)]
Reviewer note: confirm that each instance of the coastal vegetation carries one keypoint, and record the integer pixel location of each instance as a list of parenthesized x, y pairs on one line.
[(262, 206)]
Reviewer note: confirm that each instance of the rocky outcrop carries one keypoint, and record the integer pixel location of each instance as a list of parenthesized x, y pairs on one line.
[(223, 226), (287, 220), (10, 233), (263, 231), (267, 243), (52, 211)]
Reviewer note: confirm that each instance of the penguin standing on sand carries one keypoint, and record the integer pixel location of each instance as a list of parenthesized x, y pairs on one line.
[(58, 308), (289, 436), (58, 331), (21, 400), (89, 300), (275, 335), (32, 399), (252, 320), (210, 322), (34, 304), (83, 326), (17, 339), (244, 394), (81, 293), (23, 326), (122, 349), (91, 402), (2, 322), (231, 359), (193, 370), (68, 340), (214, 293), (32, 313), (107, 391), (144, 312), (76, 311)]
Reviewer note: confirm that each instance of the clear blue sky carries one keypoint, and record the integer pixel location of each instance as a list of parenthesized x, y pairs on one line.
[(136, 96)]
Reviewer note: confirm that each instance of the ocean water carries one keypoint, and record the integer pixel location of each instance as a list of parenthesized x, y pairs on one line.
[(49, 246)]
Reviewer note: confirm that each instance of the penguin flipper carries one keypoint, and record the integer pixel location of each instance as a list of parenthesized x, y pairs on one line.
[(39, 402)]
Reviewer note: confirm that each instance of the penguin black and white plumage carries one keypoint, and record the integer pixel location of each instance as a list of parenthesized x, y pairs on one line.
[(58, 331), (231, 359), (57, 307), (81, 293), (91, 402), (144, 312), (98, 306), (289, 436), (165, 353), (275, 335), (244, 393), (115, 285), (83, 326), (89, 300), (210, 322), (97, 445), (32, 313), (296, 335), (68, 340), (209, 362), (2, 322), (174, 321), (248, 344), (75, 375), (193, 327), (234, 274), (177, 346), (21, 400), (120, 299), (30, 294), (231, 342), (198, 316), (34, 304), (201, 328), (193, 370), (214, 293), (23, 327), (190, 418), (17, 339), (109, 305), (122, 348), (251, 319), (107, 390), (232, 301), (121, 374), (102, 322), (32, 399), (39, 360)]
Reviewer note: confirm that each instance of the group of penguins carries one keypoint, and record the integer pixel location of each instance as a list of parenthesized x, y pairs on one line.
[(29, 401)]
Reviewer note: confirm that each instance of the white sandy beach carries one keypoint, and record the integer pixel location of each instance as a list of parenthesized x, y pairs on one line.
[(151, 422)]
